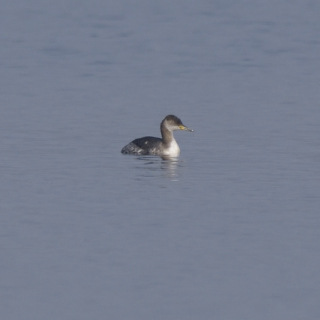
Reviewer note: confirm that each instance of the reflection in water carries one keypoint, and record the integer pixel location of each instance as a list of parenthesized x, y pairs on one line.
[(160, 167), (170, 167)]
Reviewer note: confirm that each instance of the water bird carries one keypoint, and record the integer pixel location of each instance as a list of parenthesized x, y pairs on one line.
[(166, 146)]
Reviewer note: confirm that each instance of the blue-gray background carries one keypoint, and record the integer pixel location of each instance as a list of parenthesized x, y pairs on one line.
[(231, 230)]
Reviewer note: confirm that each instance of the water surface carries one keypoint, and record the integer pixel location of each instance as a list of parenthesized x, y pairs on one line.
[(229, 230)]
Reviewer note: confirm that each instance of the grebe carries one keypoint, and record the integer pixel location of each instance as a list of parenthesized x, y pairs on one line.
[(167, 146)]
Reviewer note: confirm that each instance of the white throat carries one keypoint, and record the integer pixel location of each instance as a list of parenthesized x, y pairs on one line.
[(173, 150)]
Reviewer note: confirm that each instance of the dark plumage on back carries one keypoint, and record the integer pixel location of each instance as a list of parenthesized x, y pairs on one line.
[(167, 146), (141, 146)]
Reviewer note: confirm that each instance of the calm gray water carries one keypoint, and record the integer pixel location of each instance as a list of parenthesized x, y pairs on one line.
[(230, 230)]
